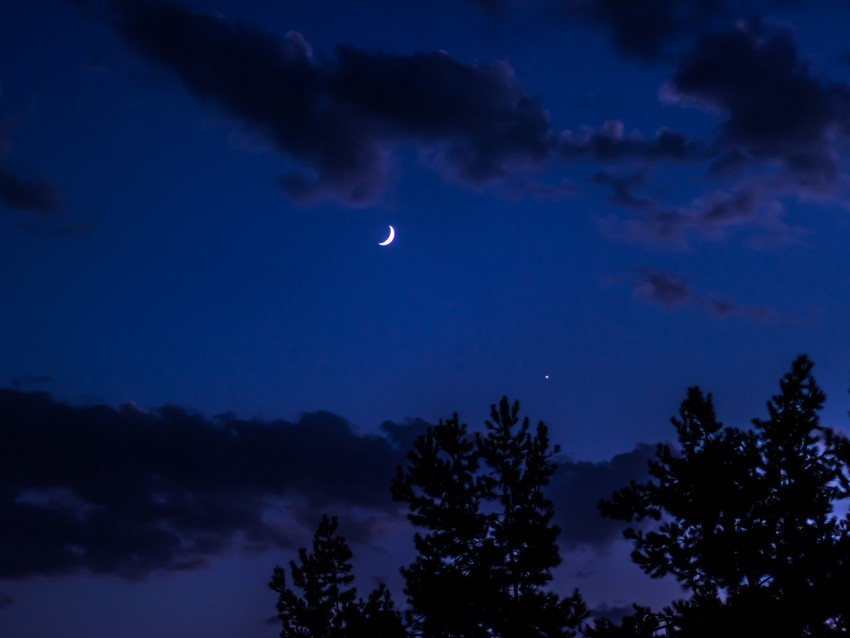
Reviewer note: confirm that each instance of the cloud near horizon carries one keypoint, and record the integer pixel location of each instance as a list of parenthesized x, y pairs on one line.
[(129, 492), (124, 491)]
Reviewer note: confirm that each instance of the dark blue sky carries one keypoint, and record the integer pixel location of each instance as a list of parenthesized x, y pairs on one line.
[(597, 204)]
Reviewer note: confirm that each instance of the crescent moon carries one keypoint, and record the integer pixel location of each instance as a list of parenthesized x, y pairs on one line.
[(389, 239)]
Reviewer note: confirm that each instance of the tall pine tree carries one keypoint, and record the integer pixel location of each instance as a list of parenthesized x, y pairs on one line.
[(488, 547), (448, 586), (745, 520)]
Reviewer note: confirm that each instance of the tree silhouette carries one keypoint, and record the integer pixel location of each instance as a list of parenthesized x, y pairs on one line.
[(488, 546), (328, 606), (744, 520), (643, 623)]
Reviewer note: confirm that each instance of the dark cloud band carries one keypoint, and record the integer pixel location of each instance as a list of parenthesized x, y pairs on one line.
[(126, 491), (129, 492), (340, 116)]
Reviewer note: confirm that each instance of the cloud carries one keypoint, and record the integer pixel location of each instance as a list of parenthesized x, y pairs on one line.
[(128, 492), (339, 117), (742, 75), (622, 188), (578, 486), (712, 215), (647, 29), (670, 290), (402, 436), (611, 143), (663, 288), (782, 134), (29, 195)]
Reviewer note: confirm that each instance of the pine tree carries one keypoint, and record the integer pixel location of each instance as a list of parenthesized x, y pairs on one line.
[(744, 519), (489, 545), (448, 588), (520, 466), (328, 606)]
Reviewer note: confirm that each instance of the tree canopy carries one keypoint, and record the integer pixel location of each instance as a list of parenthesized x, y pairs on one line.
[(487, 546), (328, 606), (745, 520)]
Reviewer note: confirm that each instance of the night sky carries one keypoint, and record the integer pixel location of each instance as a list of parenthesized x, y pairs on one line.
[(203, 348)]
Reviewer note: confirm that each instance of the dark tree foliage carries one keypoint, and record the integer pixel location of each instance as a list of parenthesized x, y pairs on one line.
[(487, 545), (328, 606), (643, 623), (744, 520)]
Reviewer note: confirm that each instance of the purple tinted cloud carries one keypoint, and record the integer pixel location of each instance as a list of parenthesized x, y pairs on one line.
[(773, 107), (130, 492), (662, 288), (622, 187), (670, 290), (577, 488), (340, 116), (711, 215), (611, 143)]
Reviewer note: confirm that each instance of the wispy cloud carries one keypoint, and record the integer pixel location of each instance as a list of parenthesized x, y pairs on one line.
[(713, 216), (611, 143), (647, 30), (671, 291)]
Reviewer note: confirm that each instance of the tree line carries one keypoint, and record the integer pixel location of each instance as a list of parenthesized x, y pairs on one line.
[(743, 519)]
